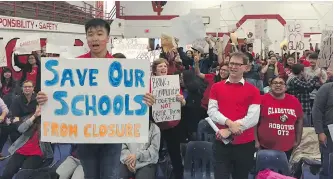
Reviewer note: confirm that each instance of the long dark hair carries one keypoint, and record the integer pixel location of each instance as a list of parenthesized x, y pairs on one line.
[(37, 124), (218, 78), (38, 62), (3, 79)]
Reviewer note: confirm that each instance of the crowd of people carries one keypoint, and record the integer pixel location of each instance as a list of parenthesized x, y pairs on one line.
[(257, 101)]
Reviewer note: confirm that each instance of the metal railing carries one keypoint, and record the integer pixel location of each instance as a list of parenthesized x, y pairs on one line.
[(58, 11)]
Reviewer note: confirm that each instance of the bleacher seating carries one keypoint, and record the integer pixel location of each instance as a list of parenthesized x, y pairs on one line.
[(59, 11), (272, 159), (198, 163), (61, 152), (330, 168), (205, 132)]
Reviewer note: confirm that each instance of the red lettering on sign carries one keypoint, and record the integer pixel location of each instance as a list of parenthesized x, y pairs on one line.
[(27, 24), (164, 106)]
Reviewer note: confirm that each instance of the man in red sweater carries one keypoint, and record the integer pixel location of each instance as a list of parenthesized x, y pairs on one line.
[(99, 161), (235, 107)]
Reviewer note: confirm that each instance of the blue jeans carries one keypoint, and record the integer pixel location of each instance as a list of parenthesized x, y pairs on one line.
[(325, 151), (100, 161)]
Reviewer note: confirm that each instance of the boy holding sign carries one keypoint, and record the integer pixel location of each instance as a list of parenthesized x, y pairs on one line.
[(99, 161)]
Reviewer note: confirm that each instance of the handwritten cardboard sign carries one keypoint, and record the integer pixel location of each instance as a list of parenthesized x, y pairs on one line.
[(28, 44), (187, 28), (260, 28), (151, 55), (95, 100), (131, 48), (164, 89), (326, 49), (295, 36)]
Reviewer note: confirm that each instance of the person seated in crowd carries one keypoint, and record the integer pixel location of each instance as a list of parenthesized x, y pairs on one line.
[(298, 86), (267, 88), (71, 168), (252, 75), (24, 104), (27, 152), (3, 126), (205, 63), (313, 70), (210, 79), (281, 120), (31, 70), (9, 87), (288, 66), (273, 68), (139, 160)]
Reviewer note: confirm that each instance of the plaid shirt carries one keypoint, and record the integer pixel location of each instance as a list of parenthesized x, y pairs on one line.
[(301, 89)]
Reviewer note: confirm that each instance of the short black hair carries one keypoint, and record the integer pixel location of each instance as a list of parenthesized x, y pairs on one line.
[(313, 56), (297, 69), (119, 55), (97, 22)]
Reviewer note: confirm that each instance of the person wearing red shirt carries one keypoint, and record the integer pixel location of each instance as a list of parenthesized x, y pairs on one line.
[(281, 120), (27, 152), (288, 66), (98, 161), (304, 59), (31, 71), (234, 105), (170, 130), (210, 78)]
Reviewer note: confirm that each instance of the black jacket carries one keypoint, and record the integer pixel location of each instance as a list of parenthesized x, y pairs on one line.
[(26, 68)]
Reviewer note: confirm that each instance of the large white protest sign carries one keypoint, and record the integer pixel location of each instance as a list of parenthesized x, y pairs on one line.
[(3, 58), (326, 49), (59, 44), (28, 44), (131, 48), (95, 100), (164, 89), (201, 43), (151, 55), (295, 36), (72, 51), (260, 28), (187, 28)]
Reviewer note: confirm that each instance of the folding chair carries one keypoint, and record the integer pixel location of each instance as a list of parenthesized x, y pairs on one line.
[(273, 160), (205, 132), (198, 162)]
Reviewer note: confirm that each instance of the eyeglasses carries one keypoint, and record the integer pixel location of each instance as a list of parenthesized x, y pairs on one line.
[(27, 86), (235, 64), (278, 83)]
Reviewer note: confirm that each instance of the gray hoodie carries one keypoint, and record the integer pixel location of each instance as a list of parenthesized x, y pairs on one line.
[(145, 153)]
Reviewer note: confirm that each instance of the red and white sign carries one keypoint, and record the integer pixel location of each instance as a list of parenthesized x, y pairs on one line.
[(38, 25), (28, 44), (13, 22)]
